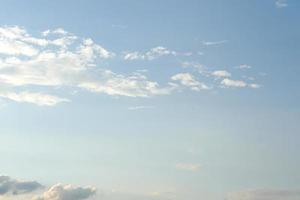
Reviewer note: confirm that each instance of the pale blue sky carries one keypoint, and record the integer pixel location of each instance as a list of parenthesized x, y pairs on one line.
[(194, 99)]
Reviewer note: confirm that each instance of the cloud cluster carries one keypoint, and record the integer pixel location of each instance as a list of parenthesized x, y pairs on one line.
[(223, 77), (61, 59), (67, 192), (12, 188), (32, 68), (16, 187)]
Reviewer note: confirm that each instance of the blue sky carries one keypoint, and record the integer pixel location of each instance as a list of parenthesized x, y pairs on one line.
[(149, 100)]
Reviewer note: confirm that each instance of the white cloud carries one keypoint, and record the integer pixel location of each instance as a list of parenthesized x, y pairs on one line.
[(59, 59), (34, 98), (188, 80), (152, 54), (238, 83), (16, 48), (58, 31), (265, 194), (65, 60), (214, 43), (254, 85), (20, 189), (67, 192), (221, 73), (244, 66), (188, 166), (281, 3), (224, 74), (136, 85), (233, 83)]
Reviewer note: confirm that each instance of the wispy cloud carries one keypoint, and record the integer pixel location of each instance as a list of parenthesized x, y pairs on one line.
[(281, 3), (151, 54), (238, 84), (214, 43), (34, 98), (188, 166), (244, 66)]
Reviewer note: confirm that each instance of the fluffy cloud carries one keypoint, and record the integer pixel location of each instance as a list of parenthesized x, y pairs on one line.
[(153, 53), (188, 80), (221, 73), (12, 42), (58, 59), (11, 189), (15, 187), (188, 166), (233, 83), (67, 192), (265, 194)]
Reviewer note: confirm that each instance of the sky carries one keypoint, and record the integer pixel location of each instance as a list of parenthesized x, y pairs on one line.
[(149, 100)]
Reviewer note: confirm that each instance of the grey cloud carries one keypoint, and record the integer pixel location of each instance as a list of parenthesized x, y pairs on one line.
[(15, 187)]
